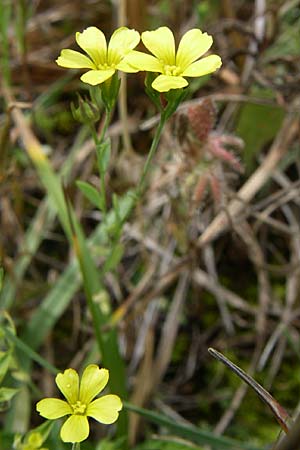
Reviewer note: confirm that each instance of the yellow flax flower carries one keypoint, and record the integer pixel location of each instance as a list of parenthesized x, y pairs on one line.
[(174, 66), (80, 404), (102, 60)]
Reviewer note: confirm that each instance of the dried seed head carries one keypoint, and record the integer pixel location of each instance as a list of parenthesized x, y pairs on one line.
[(202, 119)]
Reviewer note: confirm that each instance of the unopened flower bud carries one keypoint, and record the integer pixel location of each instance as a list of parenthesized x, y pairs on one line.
[(86, 112)]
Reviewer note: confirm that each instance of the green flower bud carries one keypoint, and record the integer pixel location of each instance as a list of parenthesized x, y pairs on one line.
[(86, 112)]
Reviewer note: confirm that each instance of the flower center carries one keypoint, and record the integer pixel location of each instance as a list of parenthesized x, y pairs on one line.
[(79, 408), (106, 66), (171, 70)]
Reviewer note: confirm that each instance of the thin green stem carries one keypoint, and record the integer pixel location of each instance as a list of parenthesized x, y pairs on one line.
[(141, 183), (108, 114), (98, 140), (103, 190), (94, 134), (76, 446), (151, 154)]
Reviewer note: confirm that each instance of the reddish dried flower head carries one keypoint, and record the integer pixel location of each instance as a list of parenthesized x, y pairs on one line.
[(202, 119)]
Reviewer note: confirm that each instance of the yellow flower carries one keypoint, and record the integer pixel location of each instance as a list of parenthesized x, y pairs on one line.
[(102, 61), (80, 404), (172, 65)]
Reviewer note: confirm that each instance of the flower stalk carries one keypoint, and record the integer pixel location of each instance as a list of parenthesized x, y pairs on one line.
[(151, 154), (173, 99), (100, 148)]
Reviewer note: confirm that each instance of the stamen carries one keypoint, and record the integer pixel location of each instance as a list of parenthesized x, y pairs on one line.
[(171, 70), (78, 408), (106, 66)]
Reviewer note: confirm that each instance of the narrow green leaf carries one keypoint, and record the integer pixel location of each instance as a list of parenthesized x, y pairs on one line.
[(194, 434), (42, 221), (167, 443), (52, 183), (25, 349), (6, 394), (114, 258), (59, 297), (91, 194), (18, 418), (126, 204), (5, 359), (103, 155), (268, 120)]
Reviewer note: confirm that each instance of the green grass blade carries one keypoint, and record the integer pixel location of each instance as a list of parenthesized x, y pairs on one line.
[(54, 189), (58, 299), (41, 223), (5, 17), (202, 437), (56, 303), (26, 350), (32, 239), (52, 307)]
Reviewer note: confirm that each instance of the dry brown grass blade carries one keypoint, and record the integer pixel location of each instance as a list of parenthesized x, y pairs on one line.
[(170, 328), (279, 148), (143, 383), (279, 412), (31, 143), (210, 262)]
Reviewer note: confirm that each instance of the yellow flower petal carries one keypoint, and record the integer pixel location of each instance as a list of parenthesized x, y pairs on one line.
[(193, 44), (93, 42), (203, 67), (94, 77), (123, 40), (92, 382), (105, 409), (142, 61), (53, 408), (75, 429), (125, 67), (68, 384), (163, 83), (161, 43), (74, 60)]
